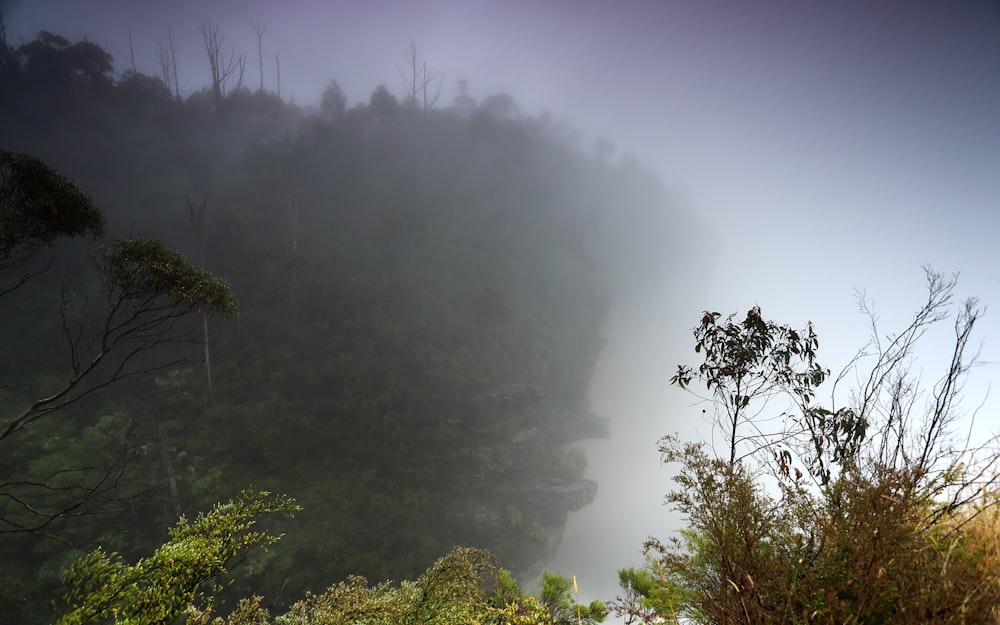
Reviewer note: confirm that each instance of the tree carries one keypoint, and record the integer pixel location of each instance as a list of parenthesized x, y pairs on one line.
[(38, 206), (646, 595), (168, 65), (418, 80), (558, 600), (7, 62), (382, 103), (101, 588), (464, 586), (464, 104), (55, 60), (500, 105), (899, 436), (896, 528), (333, 102), (148, 289), (227, 70), (747, 363), (197, 218), (258, 29), (147, 294)]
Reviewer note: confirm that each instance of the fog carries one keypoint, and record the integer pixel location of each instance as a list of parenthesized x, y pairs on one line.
[(813, 149), (630, 387)]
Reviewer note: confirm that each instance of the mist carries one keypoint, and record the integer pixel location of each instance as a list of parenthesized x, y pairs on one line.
[(783, 155)]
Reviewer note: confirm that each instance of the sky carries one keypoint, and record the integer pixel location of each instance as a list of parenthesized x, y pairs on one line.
[(827, 147)]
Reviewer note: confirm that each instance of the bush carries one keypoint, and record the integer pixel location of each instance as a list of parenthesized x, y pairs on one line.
[(900, 525)]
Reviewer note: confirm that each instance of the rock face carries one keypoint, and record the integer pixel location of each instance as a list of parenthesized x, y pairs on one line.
[(512, 396), (548, 504), (589, 428), (553, 500), (522, 480)]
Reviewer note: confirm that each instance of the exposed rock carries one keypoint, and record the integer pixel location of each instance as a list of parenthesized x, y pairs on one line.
[(551, 501), (584, 429), (515, 396), (525, 448)]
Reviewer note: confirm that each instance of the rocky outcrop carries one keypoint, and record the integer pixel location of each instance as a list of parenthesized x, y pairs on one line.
[(551, 501), (513, 491), (583, 429)]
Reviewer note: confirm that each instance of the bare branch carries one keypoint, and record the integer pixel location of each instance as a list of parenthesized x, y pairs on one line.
[(131, 53), (71, 493), (418, 81), (258, 29), (227, 70), (173, 63)]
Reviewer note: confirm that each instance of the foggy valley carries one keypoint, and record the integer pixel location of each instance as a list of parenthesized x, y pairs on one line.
[(380, 313)]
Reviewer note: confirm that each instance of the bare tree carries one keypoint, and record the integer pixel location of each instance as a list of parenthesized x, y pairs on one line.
[(173, 63), (161, 437), (168, 65), (912, 430), (167, 68), (417, 81), (258, 28), (277, 69), (131, 53), (228, 70), (293, 222), (197, 218)]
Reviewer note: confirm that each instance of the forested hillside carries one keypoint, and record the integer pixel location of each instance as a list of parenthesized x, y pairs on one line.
[(421, 298)]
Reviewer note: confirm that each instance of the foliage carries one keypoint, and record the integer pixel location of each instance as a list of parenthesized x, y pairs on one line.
[(903, 531), (733, 539), (857, 554), (451, 591), (646, 595), (752, 361), (147, 290), (101, 588), (557, 598), (464, 586), (38, 206), (55, 476), (144, 269)]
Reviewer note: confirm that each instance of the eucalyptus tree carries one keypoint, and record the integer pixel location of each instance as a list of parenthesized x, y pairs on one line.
[(896, 517), (139, 298)]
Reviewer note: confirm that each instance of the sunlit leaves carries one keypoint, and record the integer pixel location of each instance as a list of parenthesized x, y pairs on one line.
[(464, 586), (101, 588)]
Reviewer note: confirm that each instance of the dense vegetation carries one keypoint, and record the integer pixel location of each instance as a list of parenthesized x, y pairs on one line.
[(421, 292), (872, 507), (421, 297)]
